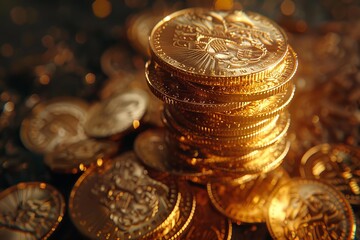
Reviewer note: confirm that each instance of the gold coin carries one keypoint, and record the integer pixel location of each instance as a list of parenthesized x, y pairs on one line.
[(187, 207), (30, 210), (139, 27), (117, 115), (257, 110), (204, 125), (152, 150), (207, 223), (245, 202), (305, 208), (115, 61), (172, 91), (269, 159), (217, 47), (118, 200), (55, 122), (337, 165), (277, 81), (78, 156)]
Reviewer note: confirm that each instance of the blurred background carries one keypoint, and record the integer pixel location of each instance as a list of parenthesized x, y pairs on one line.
[(57, 48)]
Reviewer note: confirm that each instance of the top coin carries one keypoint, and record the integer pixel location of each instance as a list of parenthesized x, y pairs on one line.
[(199, 44)]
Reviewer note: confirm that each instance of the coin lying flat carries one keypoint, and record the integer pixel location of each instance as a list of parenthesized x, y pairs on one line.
[(304, 208), (119, 200), (217, 47), (77, 156), (55, 122), (336, 164), (245, 202), (117, 114), (208, 223), (30, 211)]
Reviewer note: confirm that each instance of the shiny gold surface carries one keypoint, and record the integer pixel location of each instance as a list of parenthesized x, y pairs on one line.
[(208, 223), (30, 210), (78, 156), (117, 114), (204, 45), (336, 164), (245, 202), (55, 122), (303, 209), (124, 201)]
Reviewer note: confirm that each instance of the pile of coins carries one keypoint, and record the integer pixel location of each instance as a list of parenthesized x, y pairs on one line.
[(225, 79)]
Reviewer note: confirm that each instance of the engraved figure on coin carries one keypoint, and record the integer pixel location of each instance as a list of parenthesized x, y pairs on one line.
[(341, 170), (130, 195), (221, 42), (31, 216), (312, 217)]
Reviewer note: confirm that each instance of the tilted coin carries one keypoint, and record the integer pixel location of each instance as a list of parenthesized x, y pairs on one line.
[(208, 223), (125, 202), (152, 150), (172, 91), (304, 208), (55, 122), (217, 47), (245, 202), (336, 164), (118, 114), (78, 156), (31, 210)]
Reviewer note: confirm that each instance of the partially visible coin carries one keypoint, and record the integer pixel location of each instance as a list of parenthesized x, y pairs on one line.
[(115, 61), (336, 164), (152, 150), (118, 200), (55, 122), (302, 208), (78, 156), (245, 202), (31, 210), (117, 115), (208, 223)]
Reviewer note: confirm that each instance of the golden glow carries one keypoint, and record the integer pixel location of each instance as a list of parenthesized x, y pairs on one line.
[(136, 124), (101, 8), (90, 78), (287, 7), (42, 185), (82, 167), (99, 162), (9, 107), (44, 79), (223, 4)]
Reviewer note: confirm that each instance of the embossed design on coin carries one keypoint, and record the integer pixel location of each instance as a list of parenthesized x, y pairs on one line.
[(338, 165), (56, 122), (217, 44), (79, 155), (131, 196), (125, 202), (117, 114), (30, 211), (309, 209)]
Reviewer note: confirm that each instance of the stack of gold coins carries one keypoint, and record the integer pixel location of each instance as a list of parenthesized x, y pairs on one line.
[(225, 79)]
